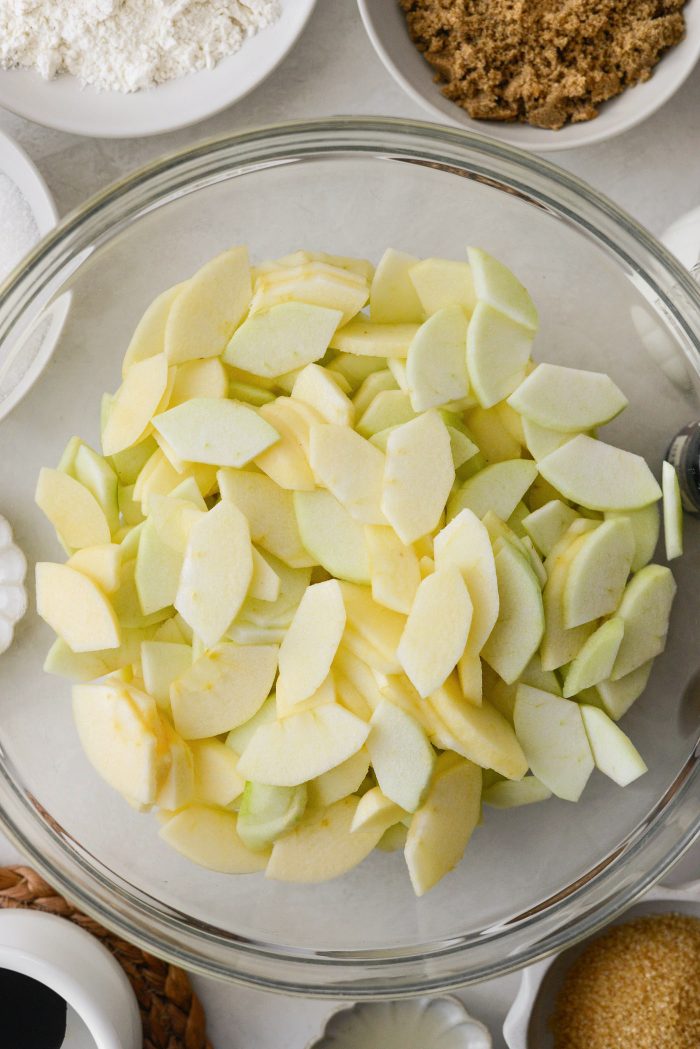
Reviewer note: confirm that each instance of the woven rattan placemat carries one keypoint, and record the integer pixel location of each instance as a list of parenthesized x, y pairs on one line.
[(172, 1015)]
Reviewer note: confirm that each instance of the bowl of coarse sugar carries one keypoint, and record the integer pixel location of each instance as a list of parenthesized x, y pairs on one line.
[(635, 985)]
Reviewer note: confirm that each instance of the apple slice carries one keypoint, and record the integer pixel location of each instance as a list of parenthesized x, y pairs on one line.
[(239, 738), (364, 339), (208, 308), (331, 536), (279, 613), (418, 476), (393, 568), (464, 543), (568, 399), (393, 298), (215, 431), (617, 697), (645, 609), (442, 282), (126, 750), (194, 379), (317, 387), (316, 283), (283, 338), (128, 463), (322, 846), (378, 627), (311, 642), (350, 468), (265, 583), (552, 734), (216, 779), (208, 836), (499, 488), (518, 631), (600, 476), (287, 704), (388, 409), (673, 512), (547, 525), (162, 662), (135, 403), (177, 785), (498, 349), (598, 570), (75, 608), (436, 630), (270, 513), (268, 813), (301, 747), (339, 782), (99, 563), (479, 733), (436, 367), (539, 440), (223, 689), (148, 339), (158, 569), (74, 512), (440, 830), (646, 526), (495, 284), (559, 644), (376, 383), (509, 795), (595, 660), (613, 752), (216, 571), (94, 473), (401, 756), (495, 441), (376, 812)]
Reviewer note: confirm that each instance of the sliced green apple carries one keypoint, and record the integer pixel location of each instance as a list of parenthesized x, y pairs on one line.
[(598, 570), (600, 476), (148, 339), (376, 812), (163, 662), (72, 509), (480, 733), (418, 476), (99, 563), (499, 487), (548, 523), (311, 642), (208, 836), (393, 569), (393, 298), (401, 756), (595, 659), (135, 403), (509, 795), (75, 608), (350, 468), (539, 440), (388, 409), (215, 431), (270, 513), (321, 390), (363, 338), (338, 782), (518, 630), (239, 738), (436, 367), (645, 609), (443, 282), (617, 697), (287, 336), (495, 284), (498, 349), (436, 630), (216, 779), (568, 399), (552, 735), (267, 813), (646, 526), (464, 543), (613, 751), (495, 441), (375, 383), (205, 378), (673, 512)]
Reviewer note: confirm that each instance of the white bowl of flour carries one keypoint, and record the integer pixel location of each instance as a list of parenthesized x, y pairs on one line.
[(121, 68)]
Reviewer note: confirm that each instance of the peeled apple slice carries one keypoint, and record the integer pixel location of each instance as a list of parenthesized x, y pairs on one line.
[(270, 513), (498, 350), (613, 752), (600, 476), (376, 812), (223, 689), (215, 431), (598, 571), (509, 795), (134, 404), (673, 512), (303, 746), (401, 756), (74, 512), (480, 734), (267, 813), (216, 779), (436, 367), (617, 697), (518, 630), (286, 337), (216, 572), (75, 608), (645, 609), (388, 409), (350, 468), (436, 630), (318, 388), (393, 568), (205, 378), (496, 284), (499, 488), (646, 526), (559, 644), (440, 830), (239, 738), (208, 836), (208, 308), (539, 440), (366, 339), (148, 339), (568, 399), (162, 662), (552, 734), (337, 783), (393, 298), (310, 644), (465, 544), (443, 282), (418, 476), (547, 525), (99, 563), (596, 658), (323, 846)]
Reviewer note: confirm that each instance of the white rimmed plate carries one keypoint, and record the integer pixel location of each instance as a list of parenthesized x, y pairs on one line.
[(386, 27), (16, 378), (62, 103)]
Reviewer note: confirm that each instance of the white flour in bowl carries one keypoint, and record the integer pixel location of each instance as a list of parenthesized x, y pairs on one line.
[(126, 45)]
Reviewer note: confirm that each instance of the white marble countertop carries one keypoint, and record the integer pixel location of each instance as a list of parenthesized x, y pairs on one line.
[(652, 171)]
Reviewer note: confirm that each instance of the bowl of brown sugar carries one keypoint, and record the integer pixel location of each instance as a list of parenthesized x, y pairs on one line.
[(634, 986), (539, 74)]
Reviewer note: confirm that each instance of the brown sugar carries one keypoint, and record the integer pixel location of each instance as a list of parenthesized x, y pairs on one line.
[(545, 62), (635, 987)]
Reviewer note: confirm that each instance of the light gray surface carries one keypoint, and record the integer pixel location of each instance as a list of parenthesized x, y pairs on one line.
[(652, 171)]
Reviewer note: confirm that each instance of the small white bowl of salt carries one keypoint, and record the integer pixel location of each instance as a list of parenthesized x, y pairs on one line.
[(27, 213)]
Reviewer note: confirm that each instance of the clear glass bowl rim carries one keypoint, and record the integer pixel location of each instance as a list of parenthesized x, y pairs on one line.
[(578, 909)]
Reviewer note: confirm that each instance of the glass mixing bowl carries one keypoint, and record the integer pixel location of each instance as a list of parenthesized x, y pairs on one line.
[(610, 298)]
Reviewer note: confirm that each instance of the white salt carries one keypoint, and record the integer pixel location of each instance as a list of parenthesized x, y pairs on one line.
[(18, 228)]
